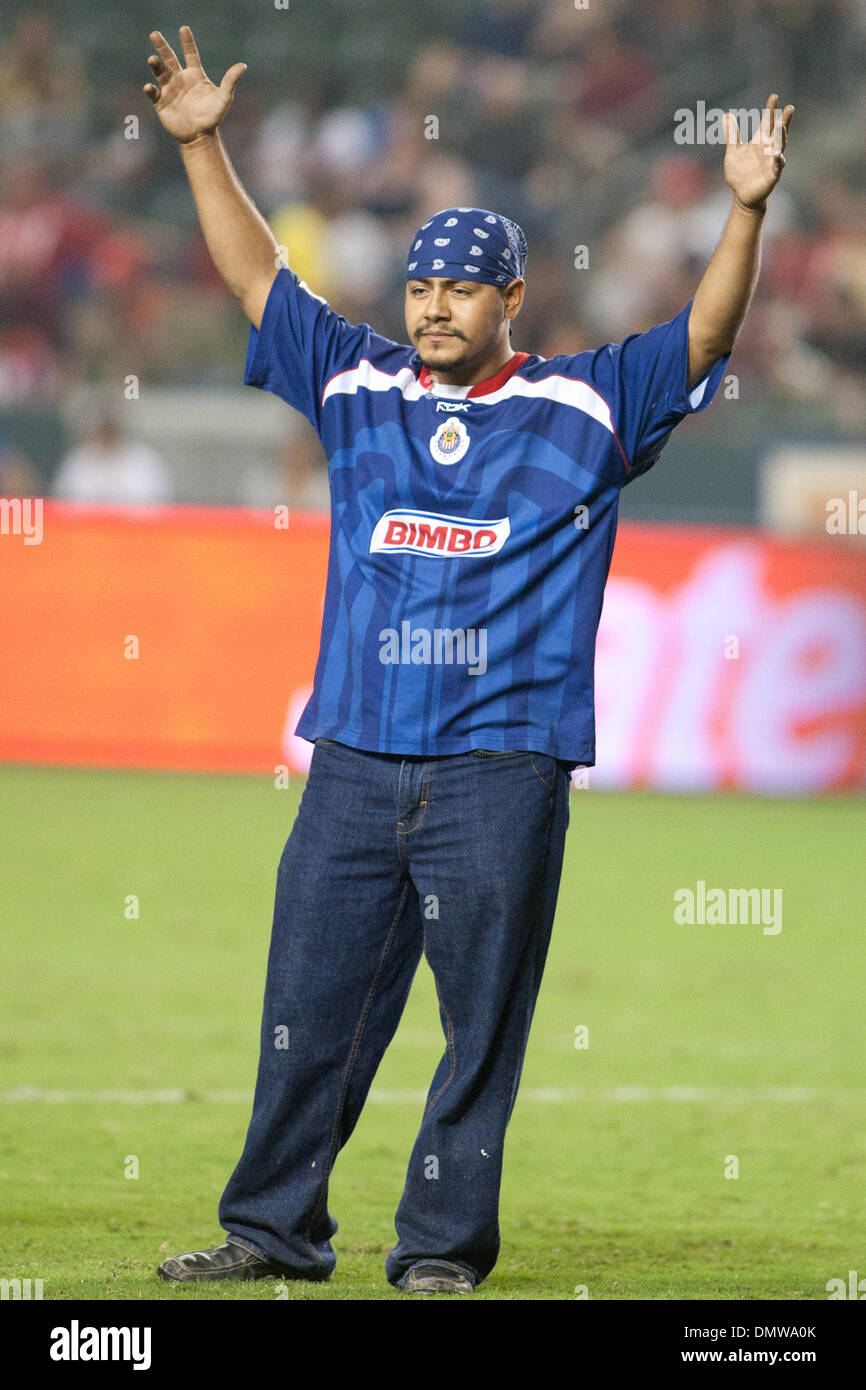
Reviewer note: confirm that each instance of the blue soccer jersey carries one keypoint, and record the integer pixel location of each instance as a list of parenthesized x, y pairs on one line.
[(472, 527)]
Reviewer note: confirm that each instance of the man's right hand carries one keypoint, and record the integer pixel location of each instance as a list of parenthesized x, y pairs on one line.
[(186, 101)]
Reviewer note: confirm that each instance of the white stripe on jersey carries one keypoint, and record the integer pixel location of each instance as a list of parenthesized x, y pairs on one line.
[(561, 389), (374, 379)]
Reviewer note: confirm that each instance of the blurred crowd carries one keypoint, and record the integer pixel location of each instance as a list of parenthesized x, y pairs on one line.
[(557, 114)]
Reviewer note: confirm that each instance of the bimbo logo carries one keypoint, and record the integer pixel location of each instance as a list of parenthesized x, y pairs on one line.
[(429, 533)]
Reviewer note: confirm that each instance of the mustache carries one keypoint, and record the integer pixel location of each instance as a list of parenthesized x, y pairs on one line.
[(444, 331)]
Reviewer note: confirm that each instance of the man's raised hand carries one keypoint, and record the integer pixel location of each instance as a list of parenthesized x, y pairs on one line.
[(186, 101), (753, 170)]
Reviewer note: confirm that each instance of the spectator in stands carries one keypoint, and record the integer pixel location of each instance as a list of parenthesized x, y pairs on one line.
[(43, 87), (28, 366), (48, 242), (615, 86), (554, 111), (304, 471), (294, 476), (19, 477), (110, 469)]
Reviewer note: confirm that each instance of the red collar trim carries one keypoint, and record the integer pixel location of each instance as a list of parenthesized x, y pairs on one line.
[(482, 388)]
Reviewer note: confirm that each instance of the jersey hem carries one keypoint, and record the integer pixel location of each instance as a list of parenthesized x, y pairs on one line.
[(446, 746)]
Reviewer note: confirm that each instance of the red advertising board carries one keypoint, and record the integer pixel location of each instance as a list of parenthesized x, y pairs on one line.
[(187, 638)]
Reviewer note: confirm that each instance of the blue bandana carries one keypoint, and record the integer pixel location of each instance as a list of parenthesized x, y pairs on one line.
[(468, 244)]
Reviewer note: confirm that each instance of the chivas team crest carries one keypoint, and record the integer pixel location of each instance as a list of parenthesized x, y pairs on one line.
[(450, 441)]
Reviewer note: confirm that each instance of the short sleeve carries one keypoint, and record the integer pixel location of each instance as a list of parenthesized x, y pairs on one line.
[(300, 344), (643, 380)]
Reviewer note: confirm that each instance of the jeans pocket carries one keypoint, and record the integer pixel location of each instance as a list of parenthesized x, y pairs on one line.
[(545, 767)]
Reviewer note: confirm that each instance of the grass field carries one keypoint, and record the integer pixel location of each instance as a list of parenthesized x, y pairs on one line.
[(705, 1042)]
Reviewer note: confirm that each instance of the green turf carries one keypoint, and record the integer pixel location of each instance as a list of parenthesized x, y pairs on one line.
[(624, 1195)]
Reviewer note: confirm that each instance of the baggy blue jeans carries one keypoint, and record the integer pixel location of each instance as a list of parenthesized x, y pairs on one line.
[(459, 857)]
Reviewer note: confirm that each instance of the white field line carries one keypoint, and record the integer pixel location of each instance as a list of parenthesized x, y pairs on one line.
[(545, 1095)]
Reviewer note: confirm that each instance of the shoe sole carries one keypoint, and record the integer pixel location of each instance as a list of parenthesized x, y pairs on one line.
[(437, 1283), (240, 1275)]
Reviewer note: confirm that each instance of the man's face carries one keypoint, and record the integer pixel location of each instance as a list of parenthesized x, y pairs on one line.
[(455, 323)]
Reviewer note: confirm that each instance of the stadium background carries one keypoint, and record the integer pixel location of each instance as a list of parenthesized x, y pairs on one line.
[(563, 119)]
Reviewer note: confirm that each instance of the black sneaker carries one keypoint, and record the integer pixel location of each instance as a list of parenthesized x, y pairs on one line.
[(229, 1261), (437, 1276)]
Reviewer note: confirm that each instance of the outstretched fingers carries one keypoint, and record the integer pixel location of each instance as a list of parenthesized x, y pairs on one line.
[(775, 125), (229, 82), (768, 116), (190, 51), (165, 51), (158, 68)]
